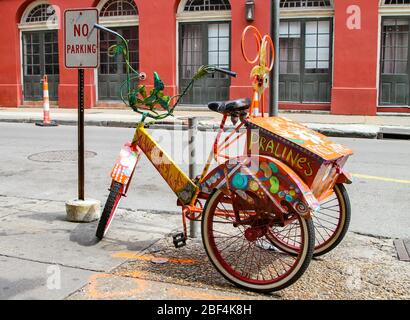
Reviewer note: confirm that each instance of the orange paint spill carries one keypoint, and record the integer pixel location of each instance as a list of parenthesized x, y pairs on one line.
[(134, 256), (95, 293), (195, 295)]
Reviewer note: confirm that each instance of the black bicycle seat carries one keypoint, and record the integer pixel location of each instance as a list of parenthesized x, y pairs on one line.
[(229, 107)]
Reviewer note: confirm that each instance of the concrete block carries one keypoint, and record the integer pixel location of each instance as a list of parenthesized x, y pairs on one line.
[(83, 210)]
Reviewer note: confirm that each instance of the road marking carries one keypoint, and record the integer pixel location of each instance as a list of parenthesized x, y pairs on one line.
[(364, 176)]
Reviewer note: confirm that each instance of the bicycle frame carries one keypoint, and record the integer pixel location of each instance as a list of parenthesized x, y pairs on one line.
[(190, 191), (187, 191), (177, 180)]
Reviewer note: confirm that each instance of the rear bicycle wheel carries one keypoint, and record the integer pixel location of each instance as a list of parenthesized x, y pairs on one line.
[(110, 209), (243, 255), (332, 221), (331, 224)]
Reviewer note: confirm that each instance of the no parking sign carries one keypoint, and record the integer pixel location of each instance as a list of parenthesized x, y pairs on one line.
[(81, 52), (81, 38)]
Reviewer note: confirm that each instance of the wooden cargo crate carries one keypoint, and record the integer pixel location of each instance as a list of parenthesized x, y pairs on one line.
[(313, 156)]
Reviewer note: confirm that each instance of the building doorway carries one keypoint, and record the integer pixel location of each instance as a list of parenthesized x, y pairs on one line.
[(204, 38), (305, 60), (394, 70), (39, 51), (122, 17), (204, 43), (112, 71)]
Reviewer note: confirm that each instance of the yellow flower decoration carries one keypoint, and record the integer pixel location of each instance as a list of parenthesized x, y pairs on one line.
[(260, 73)]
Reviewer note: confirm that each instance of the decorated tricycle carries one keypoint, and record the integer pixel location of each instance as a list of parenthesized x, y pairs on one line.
[(264, 213)]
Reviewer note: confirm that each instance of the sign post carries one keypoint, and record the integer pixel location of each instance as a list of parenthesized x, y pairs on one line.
[(81, 52), (81, 149)]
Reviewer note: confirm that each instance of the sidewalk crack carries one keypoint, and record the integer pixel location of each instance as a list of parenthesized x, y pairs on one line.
[(51, 263)]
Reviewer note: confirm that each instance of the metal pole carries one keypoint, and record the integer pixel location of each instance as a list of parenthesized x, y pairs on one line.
[(192, 132), (274, 78), (81, 134)]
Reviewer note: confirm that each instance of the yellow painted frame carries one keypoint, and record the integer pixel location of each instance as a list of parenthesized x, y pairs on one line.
[(185, 189)]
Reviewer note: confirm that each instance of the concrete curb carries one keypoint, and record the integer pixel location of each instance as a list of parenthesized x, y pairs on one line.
[(331, 130)]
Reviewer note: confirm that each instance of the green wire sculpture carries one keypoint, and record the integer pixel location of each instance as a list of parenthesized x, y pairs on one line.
[(138, 97)]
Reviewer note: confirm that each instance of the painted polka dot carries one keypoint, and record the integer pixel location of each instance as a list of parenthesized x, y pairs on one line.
[(240, 181), (253, 185)]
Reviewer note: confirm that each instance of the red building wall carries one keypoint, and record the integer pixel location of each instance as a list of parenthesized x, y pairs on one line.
[(10, 88), (158, 33), (355, 53), (240, 85), (355, 57)]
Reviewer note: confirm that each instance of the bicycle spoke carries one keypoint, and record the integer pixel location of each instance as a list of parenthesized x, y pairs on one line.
[(327, 215), (324, 220), (246, 251), (333, 199)]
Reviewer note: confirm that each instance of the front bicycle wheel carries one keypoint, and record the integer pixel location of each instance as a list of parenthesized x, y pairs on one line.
[(331, 224), (109, 209), (243, 255)]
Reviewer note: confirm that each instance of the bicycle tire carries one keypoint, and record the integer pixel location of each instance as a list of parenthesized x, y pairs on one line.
[(333, 236), (244, 279), (109, 210)]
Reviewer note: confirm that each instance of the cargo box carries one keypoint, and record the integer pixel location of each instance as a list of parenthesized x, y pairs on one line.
[(314, 157)]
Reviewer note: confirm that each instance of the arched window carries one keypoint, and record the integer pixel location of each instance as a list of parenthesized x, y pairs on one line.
[(394, 2), (116, 13), (306, 8), (288, 4), (199, 10), (115, 8), (207, 5), (40, 15), (394, 7)]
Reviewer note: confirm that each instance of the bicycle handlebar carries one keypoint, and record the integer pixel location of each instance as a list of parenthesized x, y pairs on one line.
[(227, 72), (98, 26)]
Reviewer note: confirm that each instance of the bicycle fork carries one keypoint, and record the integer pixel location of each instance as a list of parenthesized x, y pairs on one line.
[(125, 166)]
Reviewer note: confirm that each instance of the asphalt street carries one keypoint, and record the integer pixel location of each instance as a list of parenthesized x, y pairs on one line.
[(380, 194)]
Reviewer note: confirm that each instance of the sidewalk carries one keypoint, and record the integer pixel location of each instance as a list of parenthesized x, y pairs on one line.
[(43, 256), (331, 125)]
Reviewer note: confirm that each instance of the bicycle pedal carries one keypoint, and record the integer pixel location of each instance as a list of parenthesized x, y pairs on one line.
[(179, 240)]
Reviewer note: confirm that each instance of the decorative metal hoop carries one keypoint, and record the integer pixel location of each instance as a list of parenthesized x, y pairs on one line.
[(268, 41), (258, 38)]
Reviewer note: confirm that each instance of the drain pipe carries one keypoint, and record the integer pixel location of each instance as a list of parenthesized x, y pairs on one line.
[(274, 77)]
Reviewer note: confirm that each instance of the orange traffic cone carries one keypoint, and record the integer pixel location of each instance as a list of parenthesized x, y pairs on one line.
[(46, 107), (254, 110)]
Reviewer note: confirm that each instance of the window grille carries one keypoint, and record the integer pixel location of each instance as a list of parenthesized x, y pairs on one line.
[(395, 2), (291, 4), (116, 8), (40, 13), (207, 5)]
